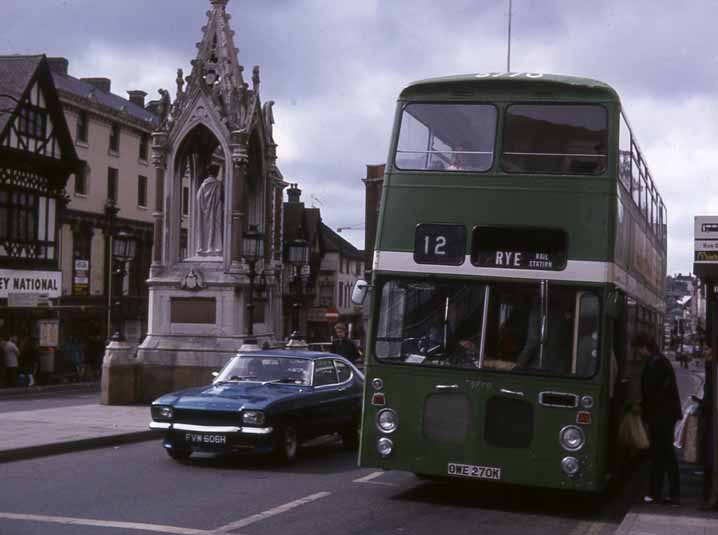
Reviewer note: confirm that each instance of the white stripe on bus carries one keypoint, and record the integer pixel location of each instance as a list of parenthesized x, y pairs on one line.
[(576, 271)]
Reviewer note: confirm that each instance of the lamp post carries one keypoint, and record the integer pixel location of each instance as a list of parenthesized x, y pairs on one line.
[(252, 251), (123, 250), (298, 252)]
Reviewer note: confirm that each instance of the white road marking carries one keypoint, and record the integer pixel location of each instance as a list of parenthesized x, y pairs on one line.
[(158, 528), (369, 477), (271, 512)]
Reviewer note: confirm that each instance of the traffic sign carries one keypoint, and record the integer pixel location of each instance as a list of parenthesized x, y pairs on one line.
[(332, 314)]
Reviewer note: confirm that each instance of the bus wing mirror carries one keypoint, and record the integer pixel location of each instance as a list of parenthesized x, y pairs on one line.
[(361, 287)]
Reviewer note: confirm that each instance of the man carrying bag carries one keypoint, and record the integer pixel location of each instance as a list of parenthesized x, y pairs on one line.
[(661, 406)]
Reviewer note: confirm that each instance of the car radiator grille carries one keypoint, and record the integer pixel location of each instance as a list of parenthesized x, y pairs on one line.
[(509, 423), (204, 417), (446, 417)]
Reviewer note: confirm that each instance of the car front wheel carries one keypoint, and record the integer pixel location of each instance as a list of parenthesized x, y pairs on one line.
[(350, 436), (287, 444)]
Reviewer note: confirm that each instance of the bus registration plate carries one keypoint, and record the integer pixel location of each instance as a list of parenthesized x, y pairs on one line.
[(471, 470)]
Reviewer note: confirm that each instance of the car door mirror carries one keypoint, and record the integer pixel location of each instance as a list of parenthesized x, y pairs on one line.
[(215, 375), (361, 287)]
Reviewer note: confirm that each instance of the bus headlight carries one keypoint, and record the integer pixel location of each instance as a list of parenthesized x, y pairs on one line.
[(387, 420), (571, 438), (587, 402), (384, 446), (570, 466)]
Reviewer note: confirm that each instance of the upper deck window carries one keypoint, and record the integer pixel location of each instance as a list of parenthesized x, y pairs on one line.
[(570, 139), (453, 137)]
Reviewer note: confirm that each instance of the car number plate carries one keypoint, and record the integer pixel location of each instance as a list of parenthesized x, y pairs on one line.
[(205, 439), (471, 470)]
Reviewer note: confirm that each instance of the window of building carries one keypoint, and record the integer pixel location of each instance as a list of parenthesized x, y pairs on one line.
[(326, 295), (142, 191), (341, 294), (112, 183), (81, 134), (81, 180), (32, 122), (115, 137), (18, 210), (144, 146)]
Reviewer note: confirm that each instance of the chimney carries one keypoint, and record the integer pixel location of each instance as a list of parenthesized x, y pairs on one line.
[(294, 193), (137, 96), (103, 84), (58, 65), (375, 171)]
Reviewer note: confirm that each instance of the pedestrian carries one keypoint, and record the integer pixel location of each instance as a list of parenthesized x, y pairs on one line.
[(707, 409), (28, 350), (661, 409), (342, 345), (12, 361)]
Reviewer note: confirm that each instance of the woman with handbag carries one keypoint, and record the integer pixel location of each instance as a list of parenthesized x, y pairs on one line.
[(661, 406)]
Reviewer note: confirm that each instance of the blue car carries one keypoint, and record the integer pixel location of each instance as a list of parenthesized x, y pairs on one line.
[(264, 402)]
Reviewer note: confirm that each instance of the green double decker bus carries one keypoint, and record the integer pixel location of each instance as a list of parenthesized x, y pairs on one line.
[(521, 243)]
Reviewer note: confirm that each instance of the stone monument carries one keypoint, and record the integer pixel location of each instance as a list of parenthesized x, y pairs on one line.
[(215, 158)]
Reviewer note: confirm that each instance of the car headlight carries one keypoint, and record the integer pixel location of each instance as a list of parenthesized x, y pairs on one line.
[(571, 438), (253, 417), (387, 420), (384, 446), (570, 466), (162, 413)]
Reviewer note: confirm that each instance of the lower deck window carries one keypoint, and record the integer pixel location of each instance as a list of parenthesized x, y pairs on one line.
[(519, 328)]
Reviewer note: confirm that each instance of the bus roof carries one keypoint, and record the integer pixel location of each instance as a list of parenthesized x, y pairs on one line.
[(526, 84)]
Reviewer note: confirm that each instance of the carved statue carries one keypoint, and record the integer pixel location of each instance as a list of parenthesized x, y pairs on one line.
[(210, 214)]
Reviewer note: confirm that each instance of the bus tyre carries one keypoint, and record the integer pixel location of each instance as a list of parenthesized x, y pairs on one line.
[(178, 455), (287, 444)]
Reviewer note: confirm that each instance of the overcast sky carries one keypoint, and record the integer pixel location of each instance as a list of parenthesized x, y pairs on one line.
[(335, 67)]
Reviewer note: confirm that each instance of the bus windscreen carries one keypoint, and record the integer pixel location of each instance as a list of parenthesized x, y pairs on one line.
[(567, 139), (447, 137), (500, 326)]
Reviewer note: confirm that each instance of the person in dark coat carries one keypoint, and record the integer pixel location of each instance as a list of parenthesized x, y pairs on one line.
[(661, 407), (341, 345)]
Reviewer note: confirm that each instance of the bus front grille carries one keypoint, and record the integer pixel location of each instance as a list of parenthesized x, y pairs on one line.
[(446, 417), (508, 423)]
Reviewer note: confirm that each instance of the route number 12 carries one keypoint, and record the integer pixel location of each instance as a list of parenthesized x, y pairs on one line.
[(440, 244)]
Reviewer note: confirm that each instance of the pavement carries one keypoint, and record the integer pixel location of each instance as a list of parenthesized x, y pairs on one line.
[(48, 431), (32, 433)]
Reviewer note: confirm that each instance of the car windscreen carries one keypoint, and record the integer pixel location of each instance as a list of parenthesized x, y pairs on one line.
[(555, 139), (446, 137), (519, 328), (259, 368)]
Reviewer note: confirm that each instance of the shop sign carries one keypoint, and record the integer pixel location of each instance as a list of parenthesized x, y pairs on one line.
[(27, 300), (32, 282), (706, 239)]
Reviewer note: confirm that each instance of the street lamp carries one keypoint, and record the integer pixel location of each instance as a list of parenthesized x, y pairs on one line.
[(252, 251), (298, 253), (123, 251)]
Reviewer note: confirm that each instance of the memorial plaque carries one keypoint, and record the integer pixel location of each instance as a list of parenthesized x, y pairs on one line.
[(201, 310)]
